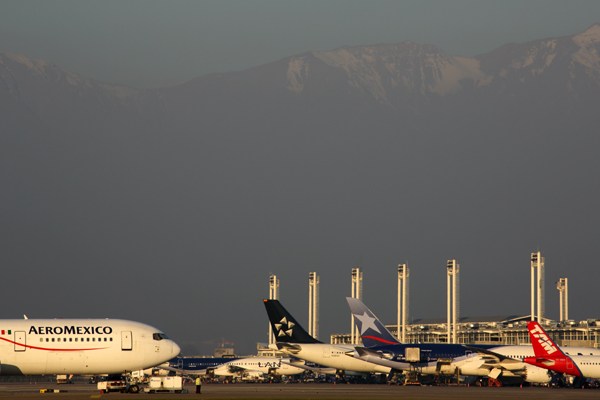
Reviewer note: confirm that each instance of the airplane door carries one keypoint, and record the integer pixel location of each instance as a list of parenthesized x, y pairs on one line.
[(126, 341), (569, 364), (326, 351), (20, 341)]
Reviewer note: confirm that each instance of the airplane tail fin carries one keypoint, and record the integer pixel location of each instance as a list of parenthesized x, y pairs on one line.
[(285, 327), (541, 342), (372, 331)]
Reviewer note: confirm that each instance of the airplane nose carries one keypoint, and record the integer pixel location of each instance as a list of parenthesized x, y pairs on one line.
[(176, 349)]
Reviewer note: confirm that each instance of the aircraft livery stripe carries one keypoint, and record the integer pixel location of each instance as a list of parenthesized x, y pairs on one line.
[(48, 348), (380, 340)]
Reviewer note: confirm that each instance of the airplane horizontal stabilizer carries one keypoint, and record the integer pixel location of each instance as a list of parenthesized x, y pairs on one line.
[(492, 357), (374, 357), (290, 348)]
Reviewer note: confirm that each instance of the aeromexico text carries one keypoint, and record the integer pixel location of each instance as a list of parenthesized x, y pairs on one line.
[(74, 330)]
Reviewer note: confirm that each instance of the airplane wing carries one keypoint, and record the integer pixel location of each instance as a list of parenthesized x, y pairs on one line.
[(319, 370), (376, 358), (184, 371)]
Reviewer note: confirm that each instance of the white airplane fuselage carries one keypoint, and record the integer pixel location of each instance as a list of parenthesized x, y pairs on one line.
[(334, 356), (80, 346), (264, 365), (588, 365)]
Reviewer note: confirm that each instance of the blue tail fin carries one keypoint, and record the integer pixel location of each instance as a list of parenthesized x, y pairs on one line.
[(285, 327), (372, 331)]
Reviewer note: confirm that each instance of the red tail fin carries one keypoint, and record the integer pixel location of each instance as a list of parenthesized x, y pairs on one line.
[(542, 344)]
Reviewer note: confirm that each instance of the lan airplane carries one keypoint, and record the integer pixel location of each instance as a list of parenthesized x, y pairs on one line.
[(80, 346), (254, 367), (498, 362), (257, 367), (295, 341)]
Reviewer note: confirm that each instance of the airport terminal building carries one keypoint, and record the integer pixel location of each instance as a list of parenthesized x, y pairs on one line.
[(501, 330)]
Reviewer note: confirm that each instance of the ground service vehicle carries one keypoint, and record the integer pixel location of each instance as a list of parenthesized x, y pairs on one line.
[(117, 383)]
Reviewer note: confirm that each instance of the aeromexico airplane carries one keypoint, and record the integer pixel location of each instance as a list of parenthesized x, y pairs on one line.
[(80, 346), (498, 362), (549, 356)]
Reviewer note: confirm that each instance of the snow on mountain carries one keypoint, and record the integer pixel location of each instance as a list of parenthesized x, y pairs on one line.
[(407, 66), (387, 71), (587, 55)]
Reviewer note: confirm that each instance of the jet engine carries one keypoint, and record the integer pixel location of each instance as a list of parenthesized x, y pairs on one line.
[(535, 374)]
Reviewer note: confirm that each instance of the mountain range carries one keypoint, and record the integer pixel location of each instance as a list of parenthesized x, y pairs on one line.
[(414, 81)]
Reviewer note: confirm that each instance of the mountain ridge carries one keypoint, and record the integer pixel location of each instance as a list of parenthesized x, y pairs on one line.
[(410, 81)]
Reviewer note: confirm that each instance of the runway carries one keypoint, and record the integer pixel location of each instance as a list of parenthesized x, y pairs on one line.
[(303, 391)]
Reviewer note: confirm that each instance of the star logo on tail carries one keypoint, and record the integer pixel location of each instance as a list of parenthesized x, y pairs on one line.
[(284, 327), (366, 322)]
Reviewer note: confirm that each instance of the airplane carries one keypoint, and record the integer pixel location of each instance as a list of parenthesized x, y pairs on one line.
[(293, 340), (256, 367), (253, 367), (189, 365), (505, 362), (567, 361), (80, 346)]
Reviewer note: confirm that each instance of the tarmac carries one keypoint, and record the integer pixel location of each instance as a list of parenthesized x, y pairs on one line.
[(78, 391)]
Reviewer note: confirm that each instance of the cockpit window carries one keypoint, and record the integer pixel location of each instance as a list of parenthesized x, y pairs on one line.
[(159, 336)]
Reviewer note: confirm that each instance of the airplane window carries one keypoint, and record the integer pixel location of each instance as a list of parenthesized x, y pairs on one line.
[(159, 336), (41, 339), (58, 340), (75, 339), (88, 339), (111, 339), (53, 339), (70, 339)]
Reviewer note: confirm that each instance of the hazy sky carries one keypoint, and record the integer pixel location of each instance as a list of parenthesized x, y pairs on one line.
[(150, 43), (206, 282)]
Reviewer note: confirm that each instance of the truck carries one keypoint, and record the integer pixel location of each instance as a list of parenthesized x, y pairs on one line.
[(63, 379), (116, 383)]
